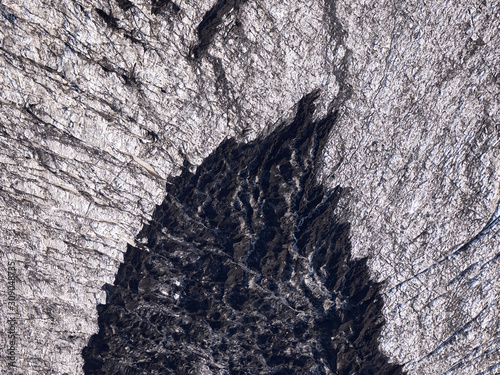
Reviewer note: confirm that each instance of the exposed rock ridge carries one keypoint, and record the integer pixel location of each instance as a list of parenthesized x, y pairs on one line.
[(245, 268)]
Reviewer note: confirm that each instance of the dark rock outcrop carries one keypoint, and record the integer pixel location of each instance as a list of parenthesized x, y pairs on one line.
[(245, 269)]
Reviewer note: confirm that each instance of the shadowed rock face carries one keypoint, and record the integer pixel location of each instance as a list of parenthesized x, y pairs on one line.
[(245, 269)]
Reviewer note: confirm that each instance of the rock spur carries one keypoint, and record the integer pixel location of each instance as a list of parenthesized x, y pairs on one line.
[(245, 268)]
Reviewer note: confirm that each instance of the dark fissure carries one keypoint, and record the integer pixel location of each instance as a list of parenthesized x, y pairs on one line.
[(210, 22), (245, 268)]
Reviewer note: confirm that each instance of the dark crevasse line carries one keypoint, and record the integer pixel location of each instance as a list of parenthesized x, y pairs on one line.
[(210, 22), (245, 268)]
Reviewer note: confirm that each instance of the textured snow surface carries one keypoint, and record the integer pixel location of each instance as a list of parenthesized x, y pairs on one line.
[(101, 101)]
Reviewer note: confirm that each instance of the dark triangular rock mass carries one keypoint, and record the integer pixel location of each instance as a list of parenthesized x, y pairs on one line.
[(245, 269)]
